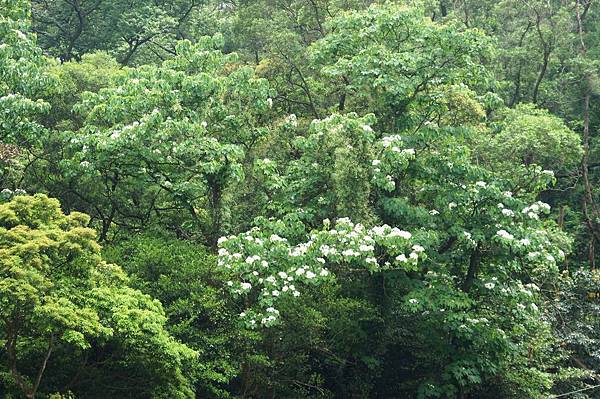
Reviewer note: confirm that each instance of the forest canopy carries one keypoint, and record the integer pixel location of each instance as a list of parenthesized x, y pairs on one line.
[(299, 199)]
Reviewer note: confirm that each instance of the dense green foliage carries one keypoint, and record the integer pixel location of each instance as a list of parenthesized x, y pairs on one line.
[(299, 199), (60, 298)]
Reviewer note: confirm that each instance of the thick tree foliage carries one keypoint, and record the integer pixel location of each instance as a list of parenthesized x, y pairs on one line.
[(299, 199)]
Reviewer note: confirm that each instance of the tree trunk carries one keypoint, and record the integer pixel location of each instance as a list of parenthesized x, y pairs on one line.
[(474, 264), (588, 199)]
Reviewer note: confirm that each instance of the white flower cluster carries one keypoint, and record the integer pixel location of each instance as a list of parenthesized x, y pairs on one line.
[(391, 141), (476, 187), (467, 237), (292, 120), (8, 193), (536, 247), (477, 320), (20, 34), (115, 134), (9, 96), (270, 266), (508, 212), (504, 234), (523, 294), (392, 160), (535, 209)]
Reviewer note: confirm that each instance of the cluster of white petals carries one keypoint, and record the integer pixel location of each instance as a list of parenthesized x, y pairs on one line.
[(392, 159), (507, 212), (272, 268), (504, 234), (535, 209)]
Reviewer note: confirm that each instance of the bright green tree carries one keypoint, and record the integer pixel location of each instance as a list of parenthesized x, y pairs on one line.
[(57, 295)]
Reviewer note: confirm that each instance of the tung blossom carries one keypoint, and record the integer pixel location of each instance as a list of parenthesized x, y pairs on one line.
[(504, 234), (292, 120), (276, 238), (400, 233), (534, 307), (246, 286), (402, 258), (508, 212), (418, 248)]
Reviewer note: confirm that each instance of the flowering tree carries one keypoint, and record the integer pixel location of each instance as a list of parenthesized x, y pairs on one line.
[(268, 267), (23, 83), (167, 140), (375, 222), (478, 243), (23, 76)]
